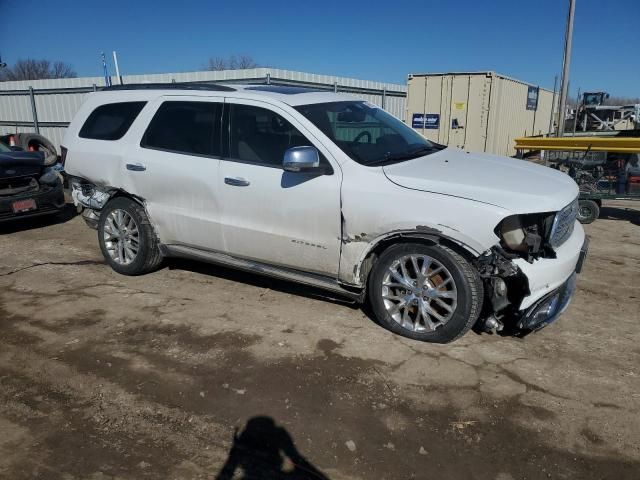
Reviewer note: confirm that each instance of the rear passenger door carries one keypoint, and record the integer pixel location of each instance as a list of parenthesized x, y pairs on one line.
[(277, 217), (174, 168)]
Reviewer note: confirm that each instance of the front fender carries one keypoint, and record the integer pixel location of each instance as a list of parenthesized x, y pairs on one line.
[(375, 210)]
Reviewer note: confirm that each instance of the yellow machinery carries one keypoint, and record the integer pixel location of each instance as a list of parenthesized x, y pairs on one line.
[(617, 176), (580, 144)]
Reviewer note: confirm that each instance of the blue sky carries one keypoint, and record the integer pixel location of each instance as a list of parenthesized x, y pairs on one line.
[(364, 39)]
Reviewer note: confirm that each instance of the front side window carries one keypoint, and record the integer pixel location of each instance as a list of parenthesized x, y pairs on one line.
[(111, 121), (185, 127), (261, 136), (367, 134)]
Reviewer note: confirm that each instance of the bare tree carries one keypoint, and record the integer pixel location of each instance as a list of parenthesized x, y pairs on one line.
[(62, 70), (216, 64), (233, 62), (30, 69)]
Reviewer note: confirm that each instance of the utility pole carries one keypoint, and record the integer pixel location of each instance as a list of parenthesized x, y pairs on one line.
[(115, 62), (553, 106), (107, 77), (566, 64)]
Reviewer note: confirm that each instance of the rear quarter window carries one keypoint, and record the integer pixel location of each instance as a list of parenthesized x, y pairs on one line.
[(111, 121)]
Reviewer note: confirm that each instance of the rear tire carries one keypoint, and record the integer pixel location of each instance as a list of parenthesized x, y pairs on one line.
[(588, 211), (126, 238), (442, 298)]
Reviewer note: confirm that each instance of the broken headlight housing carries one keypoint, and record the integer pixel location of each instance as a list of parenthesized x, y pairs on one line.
[(527, 236)]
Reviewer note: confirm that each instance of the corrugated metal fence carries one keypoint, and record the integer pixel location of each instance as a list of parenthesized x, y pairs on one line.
[(48, 106)]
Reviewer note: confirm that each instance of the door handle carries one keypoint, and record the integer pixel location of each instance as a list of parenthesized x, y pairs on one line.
[(136, 167), (236, 181)]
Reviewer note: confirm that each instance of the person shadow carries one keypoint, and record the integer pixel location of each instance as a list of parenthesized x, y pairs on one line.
[(264, 450)]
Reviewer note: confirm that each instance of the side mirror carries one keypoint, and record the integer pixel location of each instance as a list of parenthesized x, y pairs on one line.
[(301, 159)]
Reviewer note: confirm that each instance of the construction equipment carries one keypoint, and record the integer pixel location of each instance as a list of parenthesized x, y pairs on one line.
[(605, 168), (593, 115)]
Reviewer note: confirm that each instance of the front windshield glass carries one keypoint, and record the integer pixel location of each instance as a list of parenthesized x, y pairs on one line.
[(366, 133), (4, 148)]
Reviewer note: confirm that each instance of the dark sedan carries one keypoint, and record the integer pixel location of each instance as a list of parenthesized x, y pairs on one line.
[(28, 186)]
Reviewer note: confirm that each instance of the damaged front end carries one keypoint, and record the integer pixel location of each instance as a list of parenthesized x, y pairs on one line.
[(526, 240), (28, 187), (91, 197), (505, 286)]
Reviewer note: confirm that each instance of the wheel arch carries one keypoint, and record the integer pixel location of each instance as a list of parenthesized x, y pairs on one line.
[(375, 248), (120, 193)]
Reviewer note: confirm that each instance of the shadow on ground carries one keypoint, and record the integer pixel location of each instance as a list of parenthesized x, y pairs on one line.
[(264, 450), (260, 281), (293, 288), (617, 213)]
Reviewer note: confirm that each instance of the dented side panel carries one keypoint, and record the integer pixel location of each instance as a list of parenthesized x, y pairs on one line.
[(374, 209)]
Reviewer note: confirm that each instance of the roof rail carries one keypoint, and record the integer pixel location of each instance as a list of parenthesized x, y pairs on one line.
[(173, 86)]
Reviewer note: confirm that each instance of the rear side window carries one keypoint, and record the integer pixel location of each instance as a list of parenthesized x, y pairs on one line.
[(111, 121), (185, 127)]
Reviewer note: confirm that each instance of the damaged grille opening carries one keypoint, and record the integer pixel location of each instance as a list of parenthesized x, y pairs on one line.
[(13, 186), (527, 236)]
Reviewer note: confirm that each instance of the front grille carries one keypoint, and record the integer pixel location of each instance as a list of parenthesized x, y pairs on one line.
[(563, 224), (15, 185)]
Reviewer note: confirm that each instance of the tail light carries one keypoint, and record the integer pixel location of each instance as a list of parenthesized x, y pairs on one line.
[(63, 155)]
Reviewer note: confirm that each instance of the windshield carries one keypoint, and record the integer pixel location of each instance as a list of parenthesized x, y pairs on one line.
[(4, 148), (366, 133)]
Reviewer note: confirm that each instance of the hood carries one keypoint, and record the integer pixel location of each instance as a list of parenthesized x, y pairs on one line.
[(20, 163), (516, 185)]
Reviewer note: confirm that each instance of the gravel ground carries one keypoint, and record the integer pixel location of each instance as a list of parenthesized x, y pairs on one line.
[(199, 372)]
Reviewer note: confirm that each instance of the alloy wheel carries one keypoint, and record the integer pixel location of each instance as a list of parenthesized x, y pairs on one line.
[(121, 237), (419, 293)]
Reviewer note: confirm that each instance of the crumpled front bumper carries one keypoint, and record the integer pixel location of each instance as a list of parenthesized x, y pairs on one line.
[(547, 308), (545, 275)]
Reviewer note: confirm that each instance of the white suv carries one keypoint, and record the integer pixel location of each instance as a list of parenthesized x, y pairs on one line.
[(326, 190)]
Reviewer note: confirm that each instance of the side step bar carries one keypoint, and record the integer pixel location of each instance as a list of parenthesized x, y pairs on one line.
[(311, 279)]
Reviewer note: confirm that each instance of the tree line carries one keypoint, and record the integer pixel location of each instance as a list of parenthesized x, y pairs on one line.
[(31, 69)]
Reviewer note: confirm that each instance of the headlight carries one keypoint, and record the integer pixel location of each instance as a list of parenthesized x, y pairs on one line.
[(525, 235), (512, 234)]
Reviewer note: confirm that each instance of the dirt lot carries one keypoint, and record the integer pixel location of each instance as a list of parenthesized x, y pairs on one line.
[(104, 376)]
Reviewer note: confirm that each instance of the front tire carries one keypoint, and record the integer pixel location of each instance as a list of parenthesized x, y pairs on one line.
[(126, 238), (424, 292)]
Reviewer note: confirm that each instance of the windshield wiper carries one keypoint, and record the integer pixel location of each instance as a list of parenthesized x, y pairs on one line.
[(398, 157)]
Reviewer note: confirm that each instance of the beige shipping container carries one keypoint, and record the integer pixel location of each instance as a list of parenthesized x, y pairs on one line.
[(476, 111)]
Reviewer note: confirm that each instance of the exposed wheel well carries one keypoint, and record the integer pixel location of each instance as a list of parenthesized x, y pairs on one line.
[(385, 243), (122, 193)]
